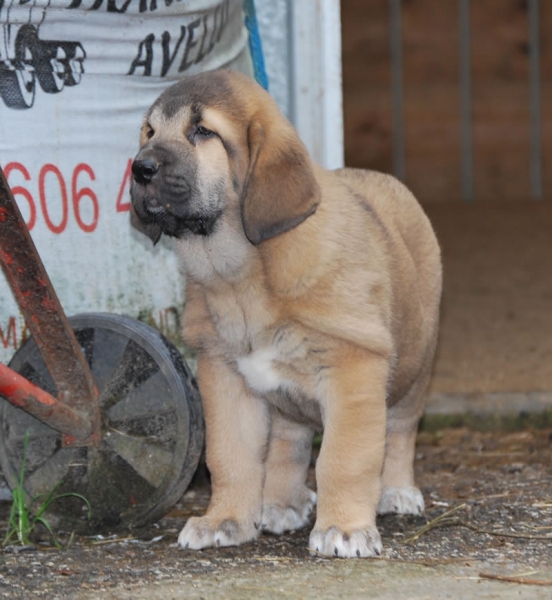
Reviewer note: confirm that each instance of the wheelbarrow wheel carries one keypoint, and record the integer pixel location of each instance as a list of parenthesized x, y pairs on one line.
[(152, 430)]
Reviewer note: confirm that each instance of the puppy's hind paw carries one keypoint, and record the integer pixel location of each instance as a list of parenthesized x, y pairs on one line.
[(277, 519), (200, 533), (360, 543), (402, 500)]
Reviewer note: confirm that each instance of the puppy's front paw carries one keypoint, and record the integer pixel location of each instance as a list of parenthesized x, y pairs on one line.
[(200, 532), (404, 501), (277, 519), (360, 543)]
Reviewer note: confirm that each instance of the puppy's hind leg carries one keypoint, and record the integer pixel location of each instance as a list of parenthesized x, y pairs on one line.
[(287, 501), (399, 493)]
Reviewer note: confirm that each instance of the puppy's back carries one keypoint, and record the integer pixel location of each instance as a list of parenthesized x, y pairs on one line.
[(394, 206), (415, 263)]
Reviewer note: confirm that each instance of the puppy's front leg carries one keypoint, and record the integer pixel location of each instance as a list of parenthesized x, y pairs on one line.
[(237, 430), (348, 470), (287, 501)]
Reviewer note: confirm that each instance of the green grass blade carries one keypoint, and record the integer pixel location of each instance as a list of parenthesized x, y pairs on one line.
[(20, 523), (47, 501), (80, 497), (50, 531)]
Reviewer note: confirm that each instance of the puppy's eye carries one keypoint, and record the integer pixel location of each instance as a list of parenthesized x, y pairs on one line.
[(149, 133), (204, 132)]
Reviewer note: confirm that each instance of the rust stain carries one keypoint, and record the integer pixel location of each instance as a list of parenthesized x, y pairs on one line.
[(6, 257)]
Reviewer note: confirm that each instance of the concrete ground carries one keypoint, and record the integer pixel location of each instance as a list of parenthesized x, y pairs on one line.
[(488, 513), (343, 579)]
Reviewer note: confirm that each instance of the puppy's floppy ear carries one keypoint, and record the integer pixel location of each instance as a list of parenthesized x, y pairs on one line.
[(152, 230), (280, 189)]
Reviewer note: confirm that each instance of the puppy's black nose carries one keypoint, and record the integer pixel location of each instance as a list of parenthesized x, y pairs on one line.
[(144, 170)]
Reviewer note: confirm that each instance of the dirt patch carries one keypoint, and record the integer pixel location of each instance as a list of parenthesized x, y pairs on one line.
[(496, 487)]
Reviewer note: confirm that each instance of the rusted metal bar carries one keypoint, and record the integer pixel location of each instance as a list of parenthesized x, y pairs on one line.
[(43, 313), (32, 399)]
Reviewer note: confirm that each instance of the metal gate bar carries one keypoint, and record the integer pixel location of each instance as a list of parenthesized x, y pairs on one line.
[(466, 98), (466, 125), (534, 100), (397, 93)]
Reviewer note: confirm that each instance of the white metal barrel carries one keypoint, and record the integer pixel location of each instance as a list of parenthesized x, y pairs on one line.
[(76, 77)]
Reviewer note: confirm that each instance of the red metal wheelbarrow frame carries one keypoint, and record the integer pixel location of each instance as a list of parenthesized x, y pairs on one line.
[(75, 412)]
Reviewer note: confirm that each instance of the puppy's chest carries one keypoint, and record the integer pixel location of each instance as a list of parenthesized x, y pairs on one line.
[(286, 364), (288, 371)]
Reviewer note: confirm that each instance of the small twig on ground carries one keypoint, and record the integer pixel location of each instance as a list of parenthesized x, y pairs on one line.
[(445, 520), (437, 522), (265, 590), (515, 579), (430, 562), (459, 523), (111, 541), (495, 496), (274, 558), (510, 534)]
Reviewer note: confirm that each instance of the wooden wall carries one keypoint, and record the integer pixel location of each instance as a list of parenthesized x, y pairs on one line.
[(500, 86)]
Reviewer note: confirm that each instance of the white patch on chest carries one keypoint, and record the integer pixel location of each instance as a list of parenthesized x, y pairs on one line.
[(259, 371)]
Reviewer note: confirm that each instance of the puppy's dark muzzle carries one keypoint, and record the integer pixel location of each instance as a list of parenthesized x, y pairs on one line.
[(144, 170), (151, 207)]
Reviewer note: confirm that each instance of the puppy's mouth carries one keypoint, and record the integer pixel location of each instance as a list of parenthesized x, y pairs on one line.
[(176, 223), (152, 208)]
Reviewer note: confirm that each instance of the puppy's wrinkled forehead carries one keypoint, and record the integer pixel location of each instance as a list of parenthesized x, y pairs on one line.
[(187, 100)]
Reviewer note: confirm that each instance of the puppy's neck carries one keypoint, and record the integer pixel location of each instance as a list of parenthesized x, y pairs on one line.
[(294, 261), (224, 257), (288, 264)]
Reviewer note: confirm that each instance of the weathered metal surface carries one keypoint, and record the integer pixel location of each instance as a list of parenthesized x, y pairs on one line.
[(43, 312), (152, 427), (24, 394)]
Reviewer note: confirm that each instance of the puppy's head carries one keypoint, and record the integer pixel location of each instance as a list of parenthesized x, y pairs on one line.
[(215, 145)]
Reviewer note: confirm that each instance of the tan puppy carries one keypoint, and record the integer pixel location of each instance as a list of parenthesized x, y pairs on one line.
[(312, 299)]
